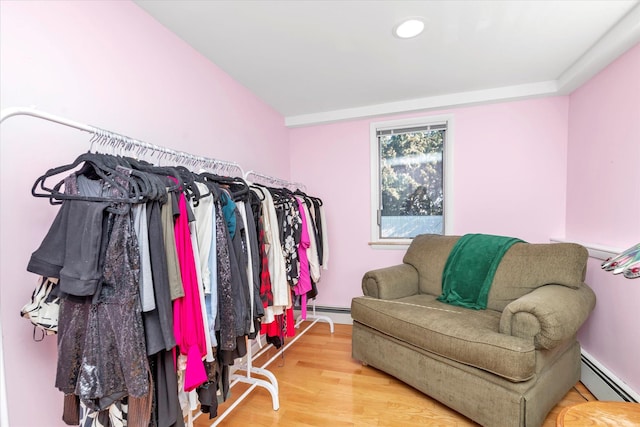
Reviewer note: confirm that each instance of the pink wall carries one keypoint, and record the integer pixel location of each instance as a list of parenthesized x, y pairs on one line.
[(603, 205), (603, 190), (109, 64), (509, 178)]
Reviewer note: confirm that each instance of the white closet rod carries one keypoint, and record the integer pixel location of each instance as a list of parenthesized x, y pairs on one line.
[(117, 140)]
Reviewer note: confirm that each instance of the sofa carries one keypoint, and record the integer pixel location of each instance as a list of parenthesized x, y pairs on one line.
[(506, 365)]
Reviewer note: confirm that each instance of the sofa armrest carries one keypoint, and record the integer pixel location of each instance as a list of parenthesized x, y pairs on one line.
[(549, 314), (391, 282)]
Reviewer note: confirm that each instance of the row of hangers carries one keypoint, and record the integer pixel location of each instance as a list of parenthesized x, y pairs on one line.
[(626, 262), (143, 181), (146, 181), (285, 196), (118, 144), (282, 191)]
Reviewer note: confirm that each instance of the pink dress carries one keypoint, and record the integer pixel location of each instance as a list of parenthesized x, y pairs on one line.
[(188, 324)]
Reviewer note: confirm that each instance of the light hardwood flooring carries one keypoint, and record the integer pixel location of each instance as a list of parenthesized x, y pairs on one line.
[(321, 385)]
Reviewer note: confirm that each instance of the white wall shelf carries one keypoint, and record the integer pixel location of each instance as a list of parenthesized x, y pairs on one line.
[(595, 250)]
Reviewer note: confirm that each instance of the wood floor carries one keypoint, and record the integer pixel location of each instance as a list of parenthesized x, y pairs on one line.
[(321, 385)]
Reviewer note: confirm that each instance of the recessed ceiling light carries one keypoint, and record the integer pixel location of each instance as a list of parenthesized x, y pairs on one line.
[(409, 28)]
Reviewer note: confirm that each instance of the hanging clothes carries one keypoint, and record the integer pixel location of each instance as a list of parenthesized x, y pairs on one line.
[(226, 317), (141, 229), (188, 325), (199, 275), (158, 323), (211, 298), (296, 229), (276, 260), (290, 236), (110, 318), (169, 212), (161, 268), (205, 232)]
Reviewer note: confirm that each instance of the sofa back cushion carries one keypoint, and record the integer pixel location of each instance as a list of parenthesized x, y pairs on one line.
[(527, 266), (428, 254), (524, 267)]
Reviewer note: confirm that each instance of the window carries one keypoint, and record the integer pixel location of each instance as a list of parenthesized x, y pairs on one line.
[(409, 170)]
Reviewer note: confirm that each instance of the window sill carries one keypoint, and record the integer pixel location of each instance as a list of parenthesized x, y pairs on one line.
[(393, 244)]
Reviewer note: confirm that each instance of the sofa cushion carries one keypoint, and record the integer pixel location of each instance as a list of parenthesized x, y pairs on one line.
[(524, 267), (466, 336)]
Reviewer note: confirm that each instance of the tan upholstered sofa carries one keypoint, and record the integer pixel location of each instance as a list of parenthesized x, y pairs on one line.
[(507, 365)]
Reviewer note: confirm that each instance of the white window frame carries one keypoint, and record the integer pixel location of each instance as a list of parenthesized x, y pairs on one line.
[(376, 241)]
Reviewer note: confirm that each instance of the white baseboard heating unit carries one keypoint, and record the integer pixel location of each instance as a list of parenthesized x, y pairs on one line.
[(603, 384)]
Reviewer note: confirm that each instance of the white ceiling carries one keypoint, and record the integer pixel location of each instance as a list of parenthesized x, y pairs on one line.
[(318, 61)]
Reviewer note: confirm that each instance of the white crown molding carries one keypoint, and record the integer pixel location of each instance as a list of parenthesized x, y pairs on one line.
[(624, 35), (430, 103)]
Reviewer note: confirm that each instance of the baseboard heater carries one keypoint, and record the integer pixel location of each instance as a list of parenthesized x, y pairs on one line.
[(341, 315), (602, 383), (327, 309)]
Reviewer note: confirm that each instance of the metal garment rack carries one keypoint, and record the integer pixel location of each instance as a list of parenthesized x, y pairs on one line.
[(259, 178), (247, 367), (118, 142), (121, 142)]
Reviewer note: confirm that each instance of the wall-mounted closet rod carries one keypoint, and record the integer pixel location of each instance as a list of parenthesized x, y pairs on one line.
[(118, 141), (258, 178)]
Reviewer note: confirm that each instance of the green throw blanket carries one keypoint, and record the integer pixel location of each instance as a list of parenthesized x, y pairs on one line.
[(472, 263)]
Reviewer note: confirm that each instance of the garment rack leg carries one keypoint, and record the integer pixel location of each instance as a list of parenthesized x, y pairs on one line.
[(313, 315), (271, 386)]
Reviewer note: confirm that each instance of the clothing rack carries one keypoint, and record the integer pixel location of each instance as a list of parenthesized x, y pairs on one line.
[(122, 143), (258, 178), (256, 382)]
